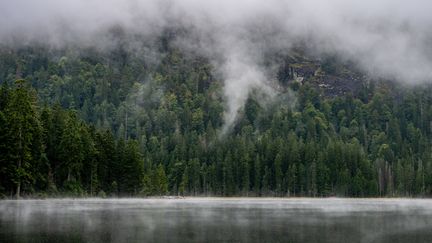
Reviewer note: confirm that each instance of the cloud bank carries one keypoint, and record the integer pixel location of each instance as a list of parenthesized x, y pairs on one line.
[(389, 39)]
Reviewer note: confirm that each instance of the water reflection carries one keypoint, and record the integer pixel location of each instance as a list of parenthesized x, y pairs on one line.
[(216, 220)]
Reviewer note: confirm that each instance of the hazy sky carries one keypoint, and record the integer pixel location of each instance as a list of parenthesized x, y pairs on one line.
[(387, 38)]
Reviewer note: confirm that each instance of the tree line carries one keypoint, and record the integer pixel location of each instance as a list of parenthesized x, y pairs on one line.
[(91, 127)]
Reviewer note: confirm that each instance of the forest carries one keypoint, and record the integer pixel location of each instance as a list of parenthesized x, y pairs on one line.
[(116, 125)]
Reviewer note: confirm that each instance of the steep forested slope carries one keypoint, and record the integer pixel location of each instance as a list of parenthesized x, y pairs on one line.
[(118, 123)]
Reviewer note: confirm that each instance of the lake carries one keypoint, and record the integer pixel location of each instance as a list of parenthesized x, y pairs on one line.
[(216, 220)]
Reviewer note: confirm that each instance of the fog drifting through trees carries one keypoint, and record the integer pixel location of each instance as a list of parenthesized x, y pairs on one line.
[(389, 39), (245, 98)]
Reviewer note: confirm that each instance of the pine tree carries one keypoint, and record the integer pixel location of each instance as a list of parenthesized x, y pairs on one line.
[(162, 182), (245, 172), (228, 177), (22, 128), (257, 175), (278, 173)]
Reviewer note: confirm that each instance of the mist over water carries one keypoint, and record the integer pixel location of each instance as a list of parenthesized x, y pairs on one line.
[(216, 220)]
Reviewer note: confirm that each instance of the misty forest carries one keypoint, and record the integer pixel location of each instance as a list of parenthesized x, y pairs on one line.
[(86, 125), (193, 110)]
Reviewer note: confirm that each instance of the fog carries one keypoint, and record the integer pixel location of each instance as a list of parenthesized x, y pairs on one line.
[(216, 220), (388, 39)]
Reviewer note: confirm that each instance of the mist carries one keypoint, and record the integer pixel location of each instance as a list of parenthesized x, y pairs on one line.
[(385, 39), (216, 219)]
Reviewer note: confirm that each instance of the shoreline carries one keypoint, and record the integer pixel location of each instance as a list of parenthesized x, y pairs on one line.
[(217, 198)]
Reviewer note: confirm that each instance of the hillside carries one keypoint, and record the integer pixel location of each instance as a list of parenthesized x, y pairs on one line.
[(115, 123)]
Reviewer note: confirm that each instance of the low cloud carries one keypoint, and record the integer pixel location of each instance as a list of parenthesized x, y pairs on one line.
[(388, 39)]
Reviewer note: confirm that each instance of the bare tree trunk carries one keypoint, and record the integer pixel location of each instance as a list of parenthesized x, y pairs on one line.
[(126, 126), (91, 183), (18, 190)]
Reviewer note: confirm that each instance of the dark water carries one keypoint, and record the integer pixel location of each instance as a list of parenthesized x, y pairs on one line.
[(216, 220)]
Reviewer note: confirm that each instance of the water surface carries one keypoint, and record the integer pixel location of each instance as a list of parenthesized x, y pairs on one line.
[(216, 220)]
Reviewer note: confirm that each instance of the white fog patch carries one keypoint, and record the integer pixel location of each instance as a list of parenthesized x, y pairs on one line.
[(241, 78)]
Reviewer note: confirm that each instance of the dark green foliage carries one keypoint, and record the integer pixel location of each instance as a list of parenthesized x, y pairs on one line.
[(125, 127), (19, 141)]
